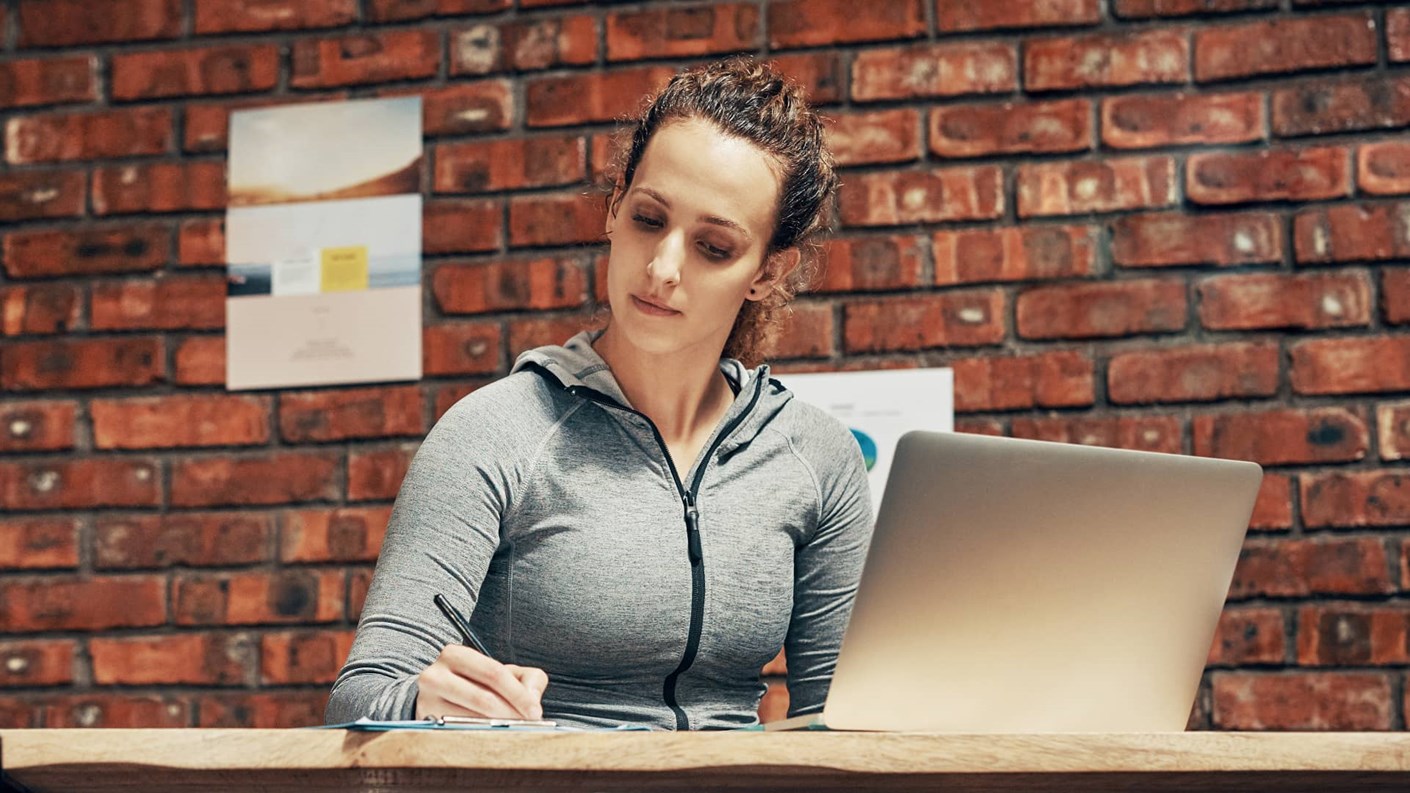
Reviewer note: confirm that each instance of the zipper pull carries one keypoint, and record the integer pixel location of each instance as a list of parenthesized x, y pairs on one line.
[(692, 530)]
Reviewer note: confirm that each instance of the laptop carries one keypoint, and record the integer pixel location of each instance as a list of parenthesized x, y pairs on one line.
[(1027, 586)]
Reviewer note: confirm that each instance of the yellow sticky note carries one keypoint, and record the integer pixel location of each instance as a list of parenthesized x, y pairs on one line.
[(344, 269)]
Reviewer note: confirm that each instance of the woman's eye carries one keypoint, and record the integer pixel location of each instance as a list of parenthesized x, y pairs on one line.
[(648, 221), (714, 252)]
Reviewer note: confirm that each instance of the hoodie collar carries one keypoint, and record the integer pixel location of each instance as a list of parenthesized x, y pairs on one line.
[(576, 363)]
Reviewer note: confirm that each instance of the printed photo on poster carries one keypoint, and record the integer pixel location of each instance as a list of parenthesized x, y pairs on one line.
[(323, 244)]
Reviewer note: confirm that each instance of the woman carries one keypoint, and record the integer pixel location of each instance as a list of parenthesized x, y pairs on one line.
[(635, 521)]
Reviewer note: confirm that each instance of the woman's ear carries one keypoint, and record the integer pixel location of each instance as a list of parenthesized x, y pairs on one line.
[(613, 202), (774, 270)]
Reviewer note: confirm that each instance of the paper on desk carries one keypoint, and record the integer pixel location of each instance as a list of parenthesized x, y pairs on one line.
[(372, 725)]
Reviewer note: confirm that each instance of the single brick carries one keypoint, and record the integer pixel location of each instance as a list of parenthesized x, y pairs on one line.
[(1174, 239), (242, 16), (1284, 436), (1356, 499), (1302, 701), (685, 31), (345, 534), (48, 81), (964, 15), (45, 426), (1018, 382), (88, 604), (1265, 301), (1105, 309), (1151, 121), (31, 194), (407, 54), (1351, 365), (462, 225), (897, 197), (196, 302), (65, 23), (562, 219), (483, 287), (80, 483), (1383, 168), (1284, 45), (159, 187), (182, 420), (1302, 567), (868, 264), (91, 250), (1393, 430), (1070, 188), (1202, 373), (303, 656), (209, 70), (882, 136), (1102, 61), (523, 45), (62, 137), (290, 595), (458, 348), (1247, 636), (947, 319), (82, 363), (811, 23), (269, 478), (1268, 175), (38, 544), (1143, 433), (318, 416), (1353, 635), (1361, 103), (479, 167), (949, 69), (188, 539), (1021, 253), (591, 97), (39, 309), (1011, 128), (183, 658), (482, 106)]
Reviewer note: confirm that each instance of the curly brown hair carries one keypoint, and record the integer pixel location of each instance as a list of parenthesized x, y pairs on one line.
[(749, 99)]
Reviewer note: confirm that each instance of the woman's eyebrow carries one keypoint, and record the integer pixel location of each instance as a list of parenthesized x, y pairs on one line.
[(712, 219)]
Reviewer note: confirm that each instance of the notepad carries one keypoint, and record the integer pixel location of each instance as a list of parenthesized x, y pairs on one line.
[(365, 724)]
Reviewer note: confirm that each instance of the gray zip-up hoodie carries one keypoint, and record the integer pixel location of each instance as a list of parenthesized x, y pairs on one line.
[(547, 508)]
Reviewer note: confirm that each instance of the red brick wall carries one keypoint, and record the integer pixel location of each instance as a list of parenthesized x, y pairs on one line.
[(1180, 225)]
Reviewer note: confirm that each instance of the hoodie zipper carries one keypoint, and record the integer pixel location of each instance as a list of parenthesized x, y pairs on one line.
[(692, 533)]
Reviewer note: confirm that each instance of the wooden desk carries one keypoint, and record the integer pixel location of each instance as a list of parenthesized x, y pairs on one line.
[(155, 760)]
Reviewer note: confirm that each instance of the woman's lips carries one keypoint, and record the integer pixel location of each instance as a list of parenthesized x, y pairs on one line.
[(652, 308)]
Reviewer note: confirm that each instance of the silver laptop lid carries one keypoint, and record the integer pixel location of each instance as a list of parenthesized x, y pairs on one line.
[(1028, 586)]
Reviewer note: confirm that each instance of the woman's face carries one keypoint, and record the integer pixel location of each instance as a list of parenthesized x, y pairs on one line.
[(689, 239)]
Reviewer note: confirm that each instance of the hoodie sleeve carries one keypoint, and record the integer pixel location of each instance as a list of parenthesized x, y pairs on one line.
[(443, 531), (826, 569)]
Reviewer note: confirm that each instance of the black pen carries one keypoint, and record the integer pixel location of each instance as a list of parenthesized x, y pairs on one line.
[(467, 636)]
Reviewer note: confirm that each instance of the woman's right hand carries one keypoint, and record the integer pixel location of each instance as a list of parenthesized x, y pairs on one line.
[(463, 682)]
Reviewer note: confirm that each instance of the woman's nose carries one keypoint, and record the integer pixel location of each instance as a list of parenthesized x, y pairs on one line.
[(665, 266)]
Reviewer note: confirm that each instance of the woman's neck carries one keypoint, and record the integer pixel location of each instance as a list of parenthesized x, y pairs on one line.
[(684, 393)]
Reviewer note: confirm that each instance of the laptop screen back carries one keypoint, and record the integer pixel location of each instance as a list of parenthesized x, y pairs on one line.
[(1026, 586)]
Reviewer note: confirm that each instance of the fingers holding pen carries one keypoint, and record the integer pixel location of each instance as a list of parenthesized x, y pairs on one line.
[(478, 685)]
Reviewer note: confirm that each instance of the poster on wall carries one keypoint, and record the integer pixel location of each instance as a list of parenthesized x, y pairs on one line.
[(323, 244), (879, 407)]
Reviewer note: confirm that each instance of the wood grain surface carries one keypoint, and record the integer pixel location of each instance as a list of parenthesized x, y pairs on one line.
[(156, 760)]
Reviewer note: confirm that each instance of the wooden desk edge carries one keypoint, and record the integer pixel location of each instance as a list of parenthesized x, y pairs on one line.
[(804, 752)]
